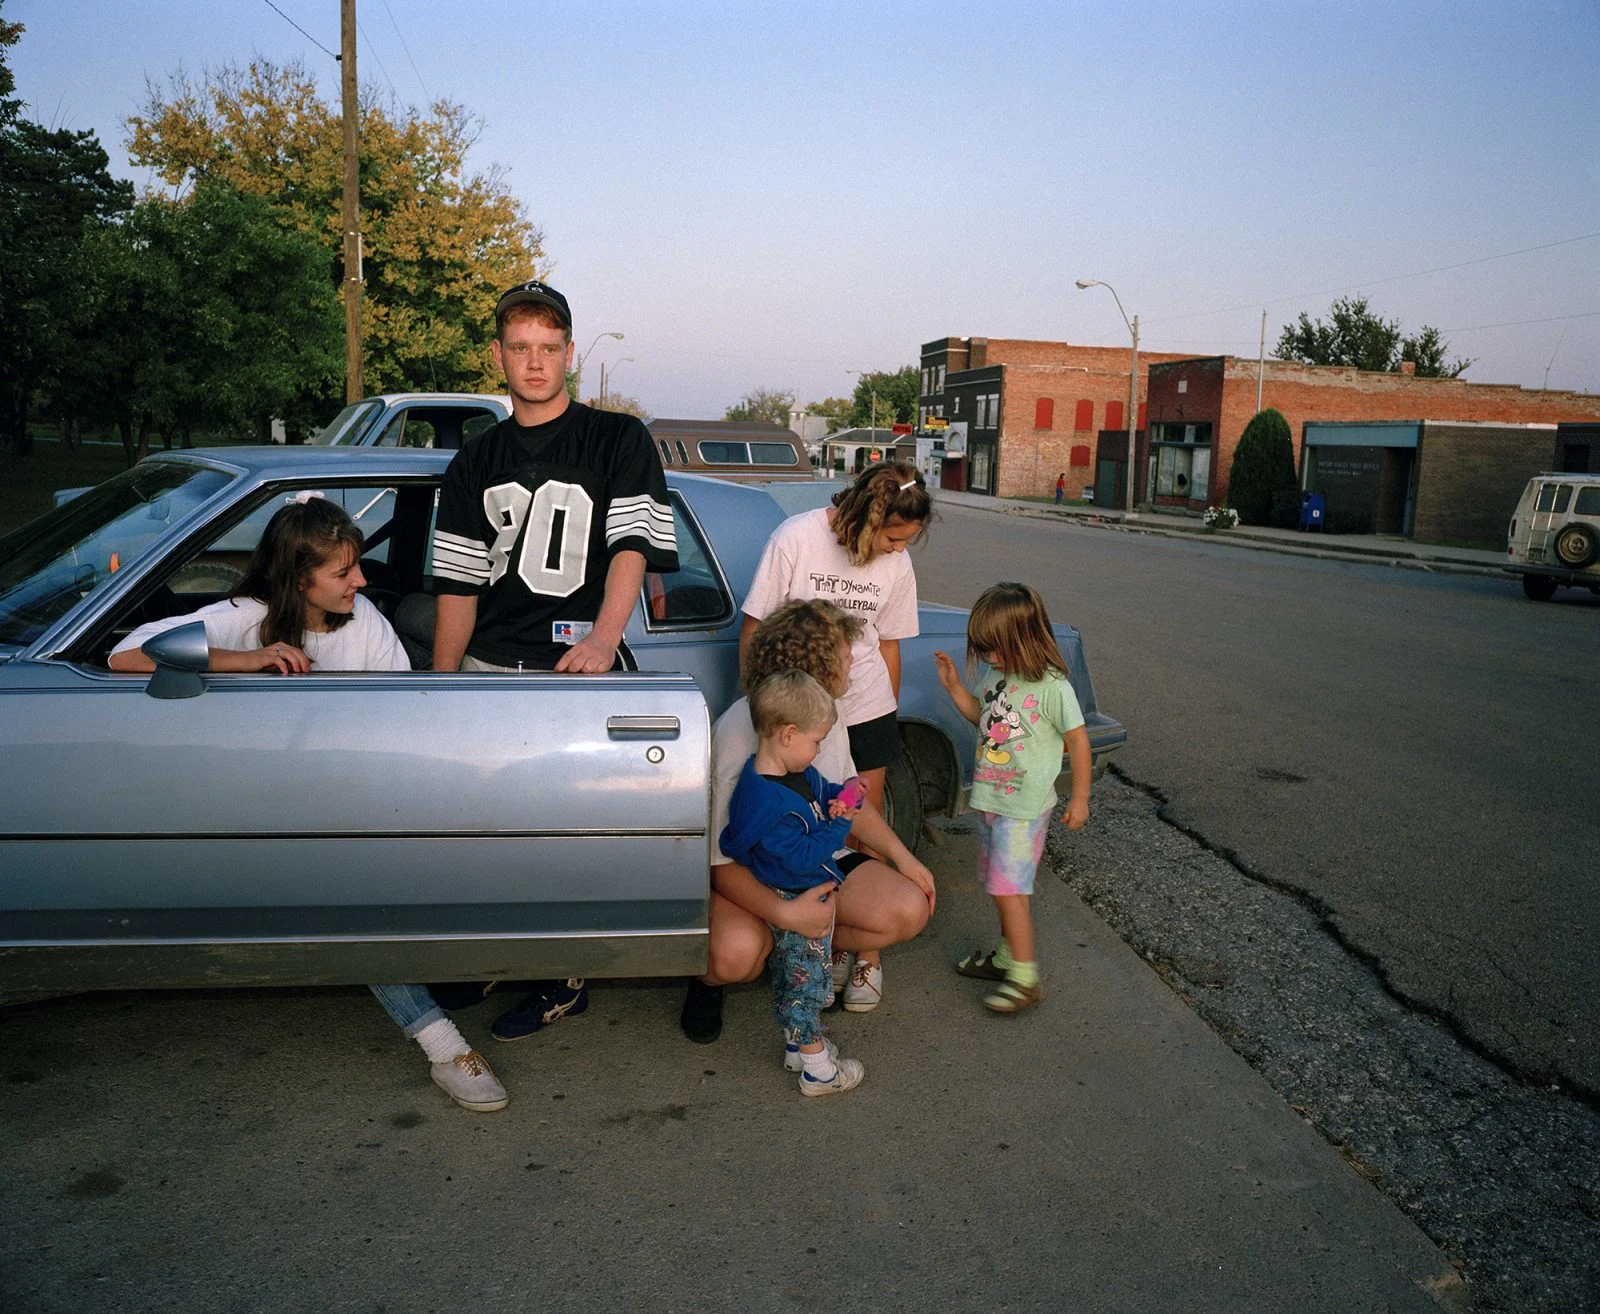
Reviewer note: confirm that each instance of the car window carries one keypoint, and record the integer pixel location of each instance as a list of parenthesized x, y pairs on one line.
[(478, 422), (683, 456), (348, 424), (724, 453), (773, 454), (394, 433), (693, 596), (51, 564), (666, 452), (1547, 495), (1588, 501), (1563, 497), (209, 571)]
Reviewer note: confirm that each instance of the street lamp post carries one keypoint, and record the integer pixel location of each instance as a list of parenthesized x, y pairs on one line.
[(1133, 387), (585, 356), (614, 365)]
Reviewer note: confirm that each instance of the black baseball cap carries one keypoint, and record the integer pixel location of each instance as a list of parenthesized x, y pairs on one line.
[(533, 292)]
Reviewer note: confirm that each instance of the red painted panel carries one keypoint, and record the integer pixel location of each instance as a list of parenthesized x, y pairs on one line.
[(1113, 415), (1080, 455), (1085, 416), (1044, 413)]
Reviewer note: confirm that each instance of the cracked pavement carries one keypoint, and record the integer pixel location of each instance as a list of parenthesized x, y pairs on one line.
[(1504, 1176)]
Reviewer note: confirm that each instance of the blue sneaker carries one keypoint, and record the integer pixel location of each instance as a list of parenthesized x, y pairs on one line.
[(558, 999)]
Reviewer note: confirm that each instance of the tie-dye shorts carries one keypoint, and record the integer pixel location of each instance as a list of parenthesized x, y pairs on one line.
[(1009, 850)]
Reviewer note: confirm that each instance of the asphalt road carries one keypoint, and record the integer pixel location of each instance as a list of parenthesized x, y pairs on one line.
[(1416, 755)]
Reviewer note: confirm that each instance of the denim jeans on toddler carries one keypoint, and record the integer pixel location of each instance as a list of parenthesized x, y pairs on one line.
[(802, 977)]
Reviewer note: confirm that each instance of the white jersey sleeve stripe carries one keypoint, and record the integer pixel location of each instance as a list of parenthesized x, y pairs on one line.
[(650, 532)]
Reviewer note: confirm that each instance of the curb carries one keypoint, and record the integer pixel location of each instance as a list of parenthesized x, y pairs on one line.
[(1368, 556)]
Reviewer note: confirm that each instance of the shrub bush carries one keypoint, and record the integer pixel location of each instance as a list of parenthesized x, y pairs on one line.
[(1286, 508), (1263, 463)]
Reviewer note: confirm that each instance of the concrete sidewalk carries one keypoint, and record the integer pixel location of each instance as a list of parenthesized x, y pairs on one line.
[(1105, 1153), (1370, 548)]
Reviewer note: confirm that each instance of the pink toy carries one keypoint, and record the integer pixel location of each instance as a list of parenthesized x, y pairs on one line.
[(854, 792)]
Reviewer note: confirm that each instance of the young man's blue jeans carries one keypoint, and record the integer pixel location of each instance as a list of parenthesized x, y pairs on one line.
[(411, 1006)]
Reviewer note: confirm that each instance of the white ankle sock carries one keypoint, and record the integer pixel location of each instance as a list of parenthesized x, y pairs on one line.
[(819, 1066), (441, 1042)]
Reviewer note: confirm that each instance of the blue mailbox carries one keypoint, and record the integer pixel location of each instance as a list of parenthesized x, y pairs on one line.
[(1312, 510)]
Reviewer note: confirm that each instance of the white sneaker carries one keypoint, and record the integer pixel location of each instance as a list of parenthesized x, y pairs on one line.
[(847, 1075), (470, 1082), (864, 991), (840, 963), (791, 1052)]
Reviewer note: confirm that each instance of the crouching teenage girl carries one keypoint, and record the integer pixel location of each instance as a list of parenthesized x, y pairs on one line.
[(883, 902), (1026, 714), (853, 555)]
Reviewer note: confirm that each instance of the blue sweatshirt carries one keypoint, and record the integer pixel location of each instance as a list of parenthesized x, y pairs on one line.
[(785, 841)]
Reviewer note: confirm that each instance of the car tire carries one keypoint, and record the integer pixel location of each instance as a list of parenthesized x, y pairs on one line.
[(902, 801), (1540, 588), (1576, 545), (205, 577)]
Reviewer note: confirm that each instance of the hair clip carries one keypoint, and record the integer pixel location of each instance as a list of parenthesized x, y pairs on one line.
[(303, 498), (909, 483)]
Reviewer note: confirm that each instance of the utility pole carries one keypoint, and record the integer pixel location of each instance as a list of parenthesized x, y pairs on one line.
[(352, 202), (1261, 361)]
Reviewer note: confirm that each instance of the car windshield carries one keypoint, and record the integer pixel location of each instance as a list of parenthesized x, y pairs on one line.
[(348, 424), (51, 564)]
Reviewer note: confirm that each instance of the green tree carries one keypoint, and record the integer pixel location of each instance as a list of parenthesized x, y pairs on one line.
[(897, 392), (622, 404), (440, 243), (54, 187), (835, 410), (1263, 467), (200, 315), (1355, 337), (763, 405)]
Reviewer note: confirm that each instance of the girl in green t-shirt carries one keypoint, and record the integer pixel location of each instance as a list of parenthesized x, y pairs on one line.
[(1026, 714)]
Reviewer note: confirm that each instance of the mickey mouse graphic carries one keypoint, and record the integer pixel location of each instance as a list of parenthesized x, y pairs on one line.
[(1000, 725)]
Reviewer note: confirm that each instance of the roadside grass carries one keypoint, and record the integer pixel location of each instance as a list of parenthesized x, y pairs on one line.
[(28, 483)]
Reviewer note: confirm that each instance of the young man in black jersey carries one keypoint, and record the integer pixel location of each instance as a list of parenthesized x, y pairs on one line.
[(546, 525)]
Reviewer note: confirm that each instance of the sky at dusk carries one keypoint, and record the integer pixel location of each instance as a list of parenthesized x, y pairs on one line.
[(766, 195)]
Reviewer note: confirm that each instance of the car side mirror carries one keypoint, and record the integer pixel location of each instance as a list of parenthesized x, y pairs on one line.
[(180, 655)]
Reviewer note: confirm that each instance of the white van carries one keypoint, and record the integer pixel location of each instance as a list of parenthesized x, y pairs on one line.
[(1554, 535)]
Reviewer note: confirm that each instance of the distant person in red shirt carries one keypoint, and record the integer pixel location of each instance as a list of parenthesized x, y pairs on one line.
[(1061, 487)]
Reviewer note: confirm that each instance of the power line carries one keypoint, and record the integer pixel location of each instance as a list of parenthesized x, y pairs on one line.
[(1377, 282), (373, 51), (1517, 323), (407, 49), (324, 49)]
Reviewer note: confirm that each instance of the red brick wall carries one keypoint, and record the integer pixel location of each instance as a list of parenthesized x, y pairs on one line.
[(1223, 390), (1030, 456)]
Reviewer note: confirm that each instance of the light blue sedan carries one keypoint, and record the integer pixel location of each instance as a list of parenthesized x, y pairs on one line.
[(198, 829)]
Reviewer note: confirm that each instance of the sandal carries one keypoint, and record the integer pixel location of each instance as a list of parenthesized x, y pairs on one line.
[(1013, 998), (981, 965)]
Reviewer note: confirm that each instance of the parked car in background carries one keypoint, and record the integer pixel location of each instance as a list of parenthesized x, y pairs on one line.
[(729, 449), (1554, 534), (188, 828)]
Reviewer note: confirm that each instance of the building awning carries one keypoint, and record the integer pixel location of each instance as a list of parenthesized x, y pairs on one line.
[(1363, 435)]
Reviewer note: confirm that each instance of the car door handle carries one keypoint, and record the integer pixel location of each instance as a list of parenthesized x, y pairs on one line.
[(624, 727)]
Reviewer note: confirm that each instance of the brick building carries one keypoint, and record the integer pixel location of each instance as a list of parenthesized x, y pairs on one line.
[(1015, 413), (1198, 408)]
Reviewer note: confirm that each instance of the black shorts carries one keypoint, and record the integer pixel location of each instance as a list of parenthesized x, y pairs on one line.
[(875, 743), (850, 862)]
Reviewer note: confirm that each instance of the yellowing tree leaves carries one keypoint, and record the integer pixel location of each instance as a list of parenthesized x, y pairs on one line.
[(440, 243)]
